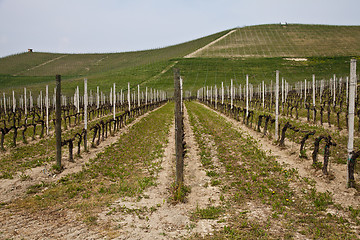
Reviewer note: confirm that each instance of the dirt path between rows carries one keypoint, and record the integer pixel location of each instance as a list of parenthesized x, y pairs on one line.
[(289, 156), (154, 216), (59, 224), (11, 189), (151, 217)]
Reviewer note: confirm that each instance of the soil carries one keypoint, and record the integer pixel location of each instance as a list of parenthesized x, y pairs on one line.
[(335, 183), (11, 189), (165, 220), (154, 216)]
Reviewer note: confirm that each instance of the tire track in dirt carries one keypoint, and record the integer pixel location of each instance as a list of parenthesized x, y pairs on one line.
[(289, 156), (154, 216)]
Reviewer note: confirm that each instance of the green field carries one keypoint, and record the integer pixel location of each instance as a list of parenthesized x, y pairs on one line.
[(292, 40), (256, 50)]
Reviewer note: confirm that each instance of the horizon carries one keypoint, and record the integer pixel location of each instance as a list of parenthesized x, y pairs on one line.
[(95, 27), (139, 50)]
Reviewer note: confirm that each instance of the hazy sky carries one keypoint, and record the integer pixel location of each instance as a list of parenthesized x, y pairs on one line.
[(76, 26)]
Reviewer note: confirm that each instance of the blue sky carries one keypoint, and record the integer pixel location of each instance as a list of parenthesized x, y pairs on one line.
[(95, 26)]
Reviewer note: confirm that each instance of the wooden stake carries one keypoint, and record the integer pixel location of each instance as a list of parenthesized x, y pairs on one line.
[(232, 94), (247, 95), (47, 109), (178, 130), (114, 102), (58, 121), (222, 92), (85, 113), (352, 89), (277, 105), (128, 97)]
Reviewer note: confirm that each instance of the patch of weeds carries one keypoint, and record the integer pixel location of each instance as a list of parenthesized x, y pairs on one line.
[(215, 182), (37, 188), (303, 154), (320, 200), (210, 212), (6, 175), (211, 174), (179, 193), (317, 165), (113, 210), (90, 220), (57, 168), (146, 182), (190, 226), (222, 198), (311, 182), (354, 213), (24, 177)]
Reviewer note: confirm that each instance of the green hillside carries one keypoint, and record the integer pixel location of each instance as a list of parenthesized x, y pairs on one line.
[(257, 51), (49, 64), (37, 69), (292, 40)]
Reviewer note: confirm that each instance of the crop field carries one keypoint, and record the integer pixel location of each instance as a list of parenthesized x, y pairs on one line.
[(291, 40), (117, 177)]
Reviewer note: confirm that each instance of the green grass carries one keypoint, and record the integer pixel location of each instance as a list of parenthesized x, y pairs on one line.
[(257, 51), (294, 40), (125, 168), (29, 69), (253, 177), (210, 212), (202, 72), (38, 153)]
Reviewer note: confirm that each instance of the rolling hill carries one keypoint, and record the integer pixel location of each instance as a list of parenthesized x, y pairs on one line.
[(254, 50)]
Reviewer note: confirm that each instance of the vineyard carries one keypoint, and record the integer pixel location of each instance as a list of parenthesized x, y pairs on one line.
[(250, 133)]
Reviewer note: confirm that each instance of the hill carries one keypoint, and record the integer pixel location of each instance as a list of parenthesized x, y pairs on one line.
[(291, 40), (255, 50)]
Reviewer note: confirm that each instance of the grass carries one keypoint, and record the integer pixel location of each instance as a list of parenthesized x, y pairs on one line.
[(30, 70), (267, 45), (210, 212), (125, 168), (38, 153), (293, 40), (337, 152), (203, 72), (253, 177), (178, 193)]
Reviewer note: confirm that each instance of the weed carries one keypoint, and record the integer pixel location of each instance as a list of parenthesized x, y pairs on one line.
[(24, 177), (178, 192), (210, 212)]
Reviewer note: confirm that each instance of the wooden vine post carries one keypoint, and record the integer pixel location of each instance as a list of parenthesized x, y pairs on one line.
[(350, 146), (277, 105), (58, 121), (25, 102), (85, 114), (314, 102), (178, 130), (231, 93), (114, 102), (222, 93), (128, 97), (247, 95)]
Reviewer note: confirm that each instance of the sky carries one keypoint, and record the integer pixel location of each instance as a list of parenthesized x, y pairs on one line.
[(102, 26)]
